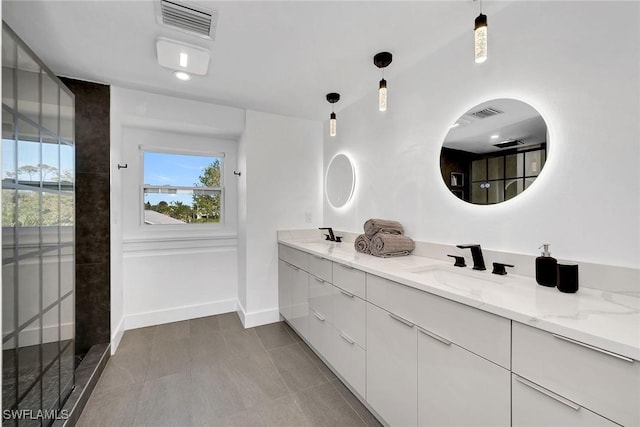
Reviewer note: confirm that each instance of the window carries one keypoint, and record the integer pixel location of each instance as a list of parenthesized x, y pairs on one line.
[(182, 188)]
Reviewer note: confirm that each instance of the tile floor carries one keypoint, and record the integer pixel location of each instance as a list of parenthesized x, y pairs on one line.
[(213, 372)]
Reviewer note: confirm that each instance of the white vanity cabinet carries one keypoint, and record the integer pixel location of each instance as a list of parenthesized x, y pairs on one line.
[(285, 282), (457, 370), (349, 322), (591, 379), (293, 295), (459, 388), (392, 363), (535, 406), (321, 315)]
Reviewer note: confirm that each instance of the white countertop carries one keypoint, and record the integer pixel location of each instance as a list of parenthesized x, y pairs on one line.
[(608, 320)]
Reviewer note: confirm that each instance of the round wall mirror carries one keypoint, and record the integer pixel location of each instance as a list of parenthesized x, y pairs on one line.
[(340, 181), (494, 151)]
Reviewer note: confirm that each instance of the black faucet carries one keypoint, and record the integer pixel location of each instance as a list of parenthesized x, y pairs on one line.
[(332, 237), (476, 254)]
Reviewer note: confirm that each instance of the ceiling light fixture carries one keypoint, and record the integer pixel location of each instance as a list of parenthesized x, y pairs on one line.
[(184, 59), (181, 75), (332, 98), (382, 60), (480, 37)]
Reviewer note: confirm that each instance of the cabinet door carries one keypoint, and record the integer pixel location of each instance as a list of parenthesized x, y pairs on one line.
[(392, 367), (321, 297), (535, 406), (349, 359), (300, 301), (459, 388), (284, 289), (321, 335)]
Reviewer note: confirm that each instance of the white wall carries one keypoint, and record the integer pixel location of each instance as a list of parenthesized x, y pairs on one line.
[(280, 187), (167, 274), (576, 63)]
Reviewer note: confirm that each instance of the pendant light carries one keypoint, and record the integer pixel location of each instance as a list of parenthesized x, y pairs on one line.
[(332, 98), (480, 37), (381, 60)]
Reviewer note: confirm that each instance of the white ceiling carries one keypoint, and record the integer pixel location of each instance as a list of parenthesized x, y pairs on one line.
[(274, 56)]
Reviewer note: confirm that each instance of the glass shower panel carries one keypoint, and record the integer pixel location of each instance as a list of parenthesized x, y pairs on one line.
[(38, 279)]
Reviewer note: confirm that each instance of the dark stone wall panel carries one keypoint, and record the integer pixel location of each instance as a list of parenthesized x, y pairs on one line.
[(93, 282)]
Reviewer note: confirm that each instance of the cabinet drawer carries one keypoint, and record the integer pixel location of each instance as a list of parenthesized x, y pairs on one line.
[(321, 335), (482, 333), (459, 388), (349, 279), (321, 297), (321, 267), (349, 315), (534, 406), (603, 383), (349, 360), (294, 256)]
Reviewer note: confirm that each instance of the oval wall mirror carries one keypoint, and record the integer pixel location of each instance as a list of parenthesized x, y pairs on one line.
[(340, 181), (494, 151)]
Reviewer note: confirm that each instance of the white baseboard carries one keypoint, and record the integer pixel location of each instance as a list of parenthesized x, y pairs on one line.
[(257, 318), (116, 336), (151, 318)]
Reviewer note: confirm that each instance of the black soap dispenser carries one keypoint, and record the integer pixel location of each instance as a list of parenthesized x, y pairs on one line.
[(546, 268)]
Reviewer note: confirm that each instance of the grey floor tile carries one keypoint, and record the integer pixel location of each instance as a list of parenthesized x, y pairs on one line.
[(328, 373), (137, 340), (172, 331), (230, 321), (323, 407), (213, 393), (242, 342), (274, 335), (282, 412), (291, 332), (169, 357), (296, 368), (203, 326), (256, 379), (205, 348), (366, 416), (111, 408), (124, 369), (164, 402)]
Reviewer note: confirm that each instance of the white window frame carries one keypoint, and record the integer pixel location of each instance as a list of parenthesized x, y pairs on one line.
[(163, 150)]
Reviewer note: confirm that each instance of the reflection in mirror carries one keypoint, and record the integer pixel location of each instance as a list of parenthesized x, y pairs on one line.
[(340, 181), (494, 151)]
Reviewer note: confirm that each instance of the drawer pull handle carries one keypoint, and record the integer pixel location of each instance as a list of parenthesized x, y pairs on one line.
[(317, 257), (318, 279), (401, 320), (348, 267), (549, 393), (318, 316), (294, 267), (347, 338), (349, 294), (435, 336), (591, 347)]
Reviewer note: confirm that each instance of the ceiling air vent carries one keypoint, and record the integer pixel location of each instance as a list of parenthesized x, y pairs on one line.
[(508, 143), (187, 18), (487, 112)]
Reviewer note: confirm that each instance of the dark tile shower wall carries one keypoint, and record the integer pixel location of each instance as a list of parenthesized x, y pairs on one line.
[(92, 213)]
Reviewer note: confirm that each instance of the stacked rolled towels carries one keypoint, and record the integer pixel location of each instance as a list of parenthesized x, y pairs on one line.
[(384, 238)]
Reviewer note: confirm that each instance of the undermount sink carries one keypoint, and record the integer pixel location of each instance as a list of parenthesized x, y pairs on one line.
[(464, 280)]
